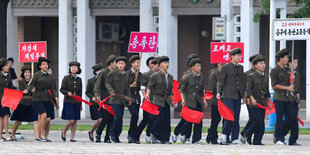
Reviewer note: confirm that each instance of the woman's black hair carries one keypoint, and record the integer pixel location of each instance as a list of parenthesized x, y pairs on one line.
[(79, 72), (10, 59), (23, 72)]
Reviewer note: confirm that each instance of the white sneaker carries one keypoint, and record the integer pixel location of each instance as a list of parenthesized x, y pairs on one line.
[(183, 139), (148, 139), (187, 141), (280, 143), (198, 143), (174, 138), (235, 142), (223, 139)]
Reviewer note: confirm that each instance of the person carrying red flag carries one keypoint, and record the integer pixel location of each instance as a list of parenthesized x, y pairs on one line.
[(71, 85), (258, 92), (160, 90), (231, 86), (215, 114), (5, 82), (192, 93), (101, 93)]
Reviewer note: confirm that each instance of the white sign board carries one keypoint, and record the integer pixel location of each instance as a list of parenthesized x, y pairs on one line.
[(291, 29), (218, 28)]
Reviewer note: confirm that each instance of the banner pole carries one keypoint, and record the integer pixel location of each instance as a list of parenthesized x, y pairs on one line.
[(138, 70)]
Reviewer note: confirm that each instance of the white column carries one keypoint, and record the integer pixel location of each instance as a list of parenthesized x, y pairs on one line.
[(168, 35), (12, 36), (65, 49), (283, 5), (227, 12), (146, 25), (86, 42), (308, 80), (272, 43)]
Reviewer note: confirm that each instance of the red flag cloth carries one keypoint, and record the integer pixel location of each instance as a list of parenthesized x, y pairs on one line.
[(11, 98), (149, 107), (273, 109), (300, 121), (105, 106), (79, 98), (261, 106), (225, 112), (208, 95), (192, 116), (176, 93), (50, 92)]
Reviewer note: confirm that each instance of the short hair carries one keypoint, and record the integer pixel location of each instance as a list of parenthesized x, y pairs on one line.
[(290, 58), (10, 59), (79, 72)]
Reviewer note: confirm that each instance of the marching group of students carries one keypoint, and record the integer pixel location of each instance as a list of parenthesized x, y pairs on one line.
[(117, 89)]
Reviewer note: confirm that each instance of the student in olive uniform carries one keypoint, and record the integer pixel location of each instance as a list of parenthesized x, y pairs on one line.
[(296, 93), (184, 138), (215, 115), (283, 100), (24, 111), (231, 86), (93, 109), (135, 86), (192, 93), (160, 91), (10, 61), (5, 82), (44, 85), (117, 85), (258, 92), (243, 138), (71, 85), (101, 92), (152, 63)]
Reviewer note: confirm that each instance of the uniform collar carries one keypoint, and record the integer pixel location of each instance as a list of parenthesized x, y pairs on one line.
[(43, 73), (133, 70), (260, 74), (4, 74), (280, 67), (195, 76), (76, 76)]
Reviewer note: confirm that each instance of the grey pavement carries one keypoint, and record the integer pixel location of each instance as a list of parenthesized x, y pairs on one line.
[(84, 146)]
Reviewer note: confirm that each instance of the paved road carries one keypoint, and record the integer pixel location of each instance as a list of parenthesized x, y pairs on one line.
[(84, 146)]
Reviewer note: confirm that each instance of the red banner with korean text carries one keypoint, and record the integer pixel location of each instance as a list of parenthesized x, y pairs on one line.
[(143, 42), (31, 51), (219, 52)]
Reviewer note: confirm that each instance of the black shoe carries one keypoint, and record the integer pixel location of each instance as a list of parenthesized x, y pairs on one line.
[(166, 142), (115, 140), (214, 142), (258, 144), (48, 140), (72, 140), (107, 141), (294, 144), (90, 138), (208, 139), (274, 140), (38, 140), (61, 136), (98, 138), (248, 139), (43, 140), (131, 140)]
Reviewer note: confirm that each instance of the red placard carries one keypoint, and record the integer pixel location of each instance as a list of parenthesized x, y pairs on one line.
[(220, 51), (31, 51), (143, 42)]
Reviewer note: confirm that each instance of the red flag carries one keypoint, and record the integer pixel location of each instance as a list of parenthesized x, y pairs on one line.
[(50, 92), (300, 121), (273, 109), (11, 98), (79, 98), (261, 106), (192, 116), (208, 95), (105, 106), (225, 112), (150, 107), (176, 93)]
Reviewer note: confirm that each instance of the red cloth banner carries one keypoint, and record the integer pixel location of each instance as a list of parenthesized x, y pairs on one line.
[(261, 106), (143, 42), (31, 51), (220, 51), (300, 121), (273, 109), (149, 107), (79, 98), (225, 112), (11, 98), (208, 95), (176, 93), (105, 106), (192, 116)]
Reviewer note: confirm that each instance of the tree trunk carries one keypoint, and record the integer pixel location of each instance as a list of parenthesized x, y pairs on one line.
[(3, 27)]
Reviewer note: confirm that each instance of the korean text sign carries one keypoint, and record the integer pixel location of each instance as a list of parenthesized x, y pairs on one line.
[(31, 51), (291, 29), (220, 51), (143, 42)]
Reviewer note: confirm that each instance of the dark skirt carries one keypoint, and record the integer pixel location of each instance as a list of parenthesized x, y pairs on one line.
[(94, 113), (24, 113), (4, 111), (71, 111), (41, 107)]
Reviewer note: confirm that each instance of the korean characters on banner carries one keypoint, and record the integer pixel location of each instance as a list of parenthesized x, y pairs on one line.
[(219, 52), (143, 42), (31, 51), (291, 29)]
